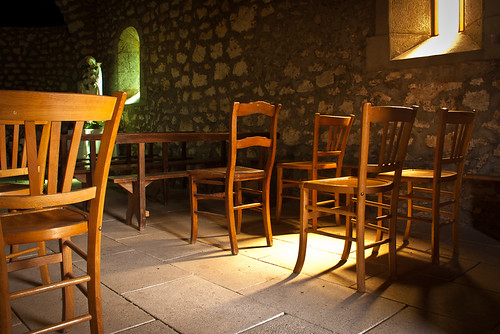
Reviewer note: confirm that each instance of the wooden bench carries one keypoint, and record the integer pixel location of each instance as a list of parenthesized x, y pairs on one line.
[(130, 184)]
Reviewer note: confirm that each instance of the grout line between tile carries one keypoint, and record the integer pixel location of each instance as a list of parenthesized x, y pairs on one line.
[(134, 326), (262, 322), (383, 320), (155, 285)]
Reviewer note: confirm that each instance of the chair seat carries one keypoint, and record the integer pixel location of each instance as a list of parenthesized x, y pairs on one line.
[(240, 173), (348, 185), (420, 174), (21, 227), (306, 165)]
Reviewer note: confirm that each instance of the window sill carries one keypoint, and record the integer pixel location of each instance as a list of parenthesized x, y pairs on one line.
[(440, 45)]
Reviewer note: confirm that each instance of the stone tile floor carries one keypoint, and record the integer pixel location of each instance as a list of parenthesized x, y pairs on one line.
[(156, 282)]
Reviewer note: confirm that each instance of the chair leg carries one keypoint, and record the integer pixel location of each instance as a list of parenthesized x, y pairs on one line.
[(279, 192), (456, 208), (239, 201), (435, 225), (348, 231), (44, 270), (67, 272), (409, 211), (360, 244), (94, 289), (379, 234), (393, 233), (5, 312), (231, 224), (14, 249), (266, 215), (304, 222), (194, 207), (337, 203)]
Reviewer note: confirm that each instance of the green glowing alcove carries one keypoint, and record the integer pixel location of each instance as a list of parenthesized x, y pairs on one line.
[(129, 64)]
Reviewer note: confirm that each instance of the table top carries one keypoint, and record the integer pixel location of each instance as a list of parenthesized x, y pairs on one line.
[(165, 137)]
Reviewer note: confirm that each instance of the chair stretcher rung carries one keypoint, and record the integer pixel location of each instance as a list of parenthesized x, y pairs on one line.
[(214, 196), (20, 253), (328, 234), (49, 287), (378, 204), (76, 249), (247, 206), (62, 324), (290, 196), (212, 214), (80, 286), (251, 191), (335, 210), (330, 201), (290, 183), (34, 262)]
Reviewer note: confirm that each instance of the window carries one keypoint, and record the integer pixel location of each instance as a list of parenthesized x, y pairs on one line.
[(129, 65), (447, 31), (411, 33)]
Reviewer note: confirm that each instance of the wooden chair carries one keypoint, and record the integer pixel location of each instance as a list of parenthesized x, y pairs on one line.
[(12, 168), (390, 127), (47, 213), (237, 179), (329, 143), (427, 189)]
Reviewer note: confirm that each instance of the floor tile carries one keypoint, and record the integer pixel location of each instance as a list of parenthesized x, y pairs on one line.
[(234, 272), (132, 270), (287, 324), (194, 305), (325, 304)]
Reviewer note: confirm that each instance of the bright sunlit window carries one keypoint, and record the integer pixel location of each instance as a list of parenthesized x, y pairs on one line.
[(447, 27), (448, 19)]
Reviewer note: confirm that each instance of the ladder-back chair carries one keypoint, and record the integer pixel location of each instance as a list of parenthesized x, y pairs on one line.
[(237, 179), (329, 142)]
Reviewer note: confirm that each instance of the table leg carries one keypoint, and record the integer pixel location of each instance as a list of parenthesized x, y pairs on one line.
[(141, 187)]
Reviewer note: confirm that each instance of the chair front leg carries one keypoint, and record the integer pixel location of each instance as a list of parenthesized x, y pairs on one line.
[(66, 273), (94, 286), (266, 212), (5, 312), (231, 224), (194, 208), (348, 229), (239, 201), (304, 224), (279, 192), (409, 210)]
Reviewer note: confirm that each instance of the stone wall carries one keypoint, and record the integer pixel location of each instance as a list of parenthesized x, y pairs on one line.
[(37, 59), (198, 56)]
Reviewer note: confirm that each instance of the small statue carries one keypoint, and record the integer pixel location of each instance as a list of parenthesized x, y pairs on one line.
[(91, 78)]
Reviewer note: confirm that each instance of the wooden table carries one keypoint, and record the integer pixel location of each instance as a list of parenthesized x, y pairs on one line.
[(141, 139)]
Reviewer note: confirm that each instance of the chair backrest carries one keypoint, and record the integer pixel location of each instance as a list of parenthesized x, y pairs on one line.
[(264, 139), (452, 140), (10, 144), (330, 139), (392, 127), (51, 175)]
